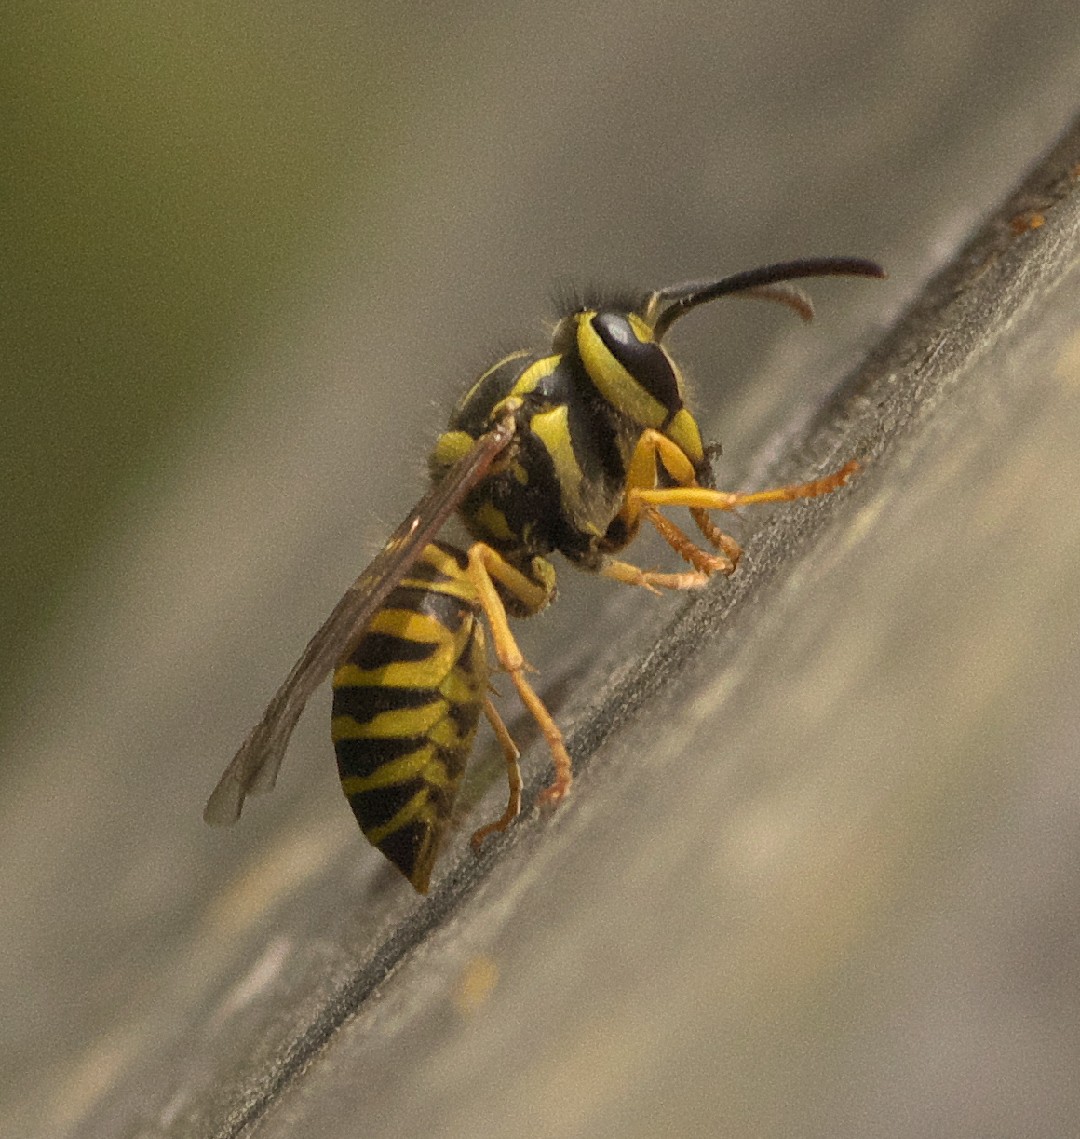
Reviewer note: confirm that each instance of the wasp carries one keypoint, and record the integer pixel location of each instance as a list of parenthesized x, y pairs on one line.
[(570, 449)]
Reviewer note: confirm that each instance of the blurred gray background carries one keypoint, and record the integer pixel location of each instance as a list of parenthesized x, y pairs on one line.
[(827, 883)]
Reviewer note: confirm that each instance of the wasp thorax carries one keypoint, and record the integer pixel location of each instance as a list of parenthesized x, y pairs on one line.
[(568, 450)]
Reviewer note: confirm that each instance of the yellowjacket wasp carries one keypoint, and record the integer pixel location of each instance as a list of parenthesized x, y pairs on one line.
[(570, 450)]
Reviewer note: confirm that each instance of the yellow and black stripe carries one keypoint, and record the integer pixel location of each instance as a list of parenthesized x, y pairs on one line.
[(567, 449), (407, 701), (583, 410)]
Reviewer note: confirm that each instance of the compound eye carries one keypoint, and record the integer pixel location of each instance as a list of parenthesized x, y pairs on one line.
[(647, 364)]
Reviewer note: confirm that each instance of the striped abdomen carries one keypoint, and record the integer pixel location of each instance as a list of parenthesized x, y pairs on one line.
[(406, 706)]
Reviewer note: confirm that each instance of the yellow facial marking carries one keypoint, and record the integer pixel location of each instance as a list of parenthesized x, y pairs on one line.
[(613, 381)]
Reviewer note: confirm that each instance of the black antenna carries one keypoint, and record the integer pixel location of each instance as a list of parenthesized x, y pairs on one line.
[(665, 306)]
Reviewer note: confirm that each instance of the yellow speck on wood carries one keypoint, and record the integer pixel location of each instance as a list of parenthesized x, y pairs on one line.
[(476, 984)]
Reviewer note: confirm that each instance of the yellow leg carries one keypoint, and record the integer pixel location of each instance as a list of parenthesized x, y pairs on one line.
[(652, 580), (701, 498), (641, 471), (645, 501), (644, 497), (513, 776), (652, 448), (712, 533), (689, 551), (705, 564), (485, 564)]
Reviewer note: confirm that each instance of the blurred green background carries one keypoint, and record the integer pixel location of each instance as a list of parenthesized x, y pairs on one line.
[(173, 172)]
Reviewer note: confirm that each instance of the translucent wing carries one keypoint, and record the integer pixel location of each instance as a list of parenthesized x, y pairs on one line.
[(255, 766)]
